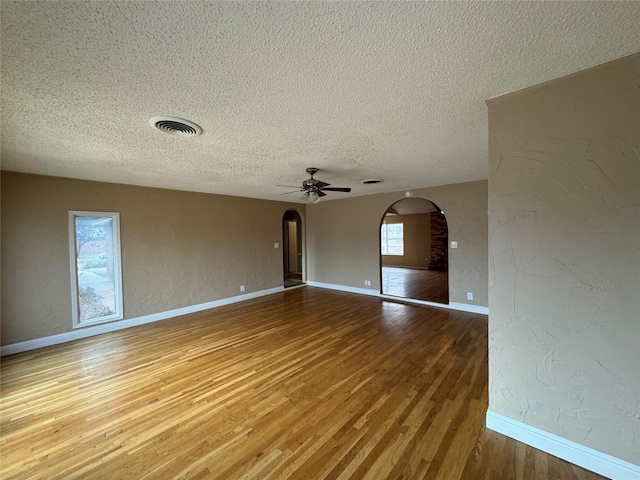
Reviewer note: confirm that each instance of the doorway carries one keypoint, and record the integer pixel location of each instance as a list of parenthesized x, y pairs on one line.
[(414, 254), (292, 248)]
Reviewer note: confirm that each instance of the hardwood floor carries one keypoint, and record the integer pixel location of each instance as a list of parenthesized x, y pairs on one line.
[(304, 384), (419, 284)]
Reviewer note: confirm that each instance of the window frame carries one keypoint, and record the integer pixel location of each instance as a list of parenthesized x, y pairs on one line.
[(117, 269), (384, 230)]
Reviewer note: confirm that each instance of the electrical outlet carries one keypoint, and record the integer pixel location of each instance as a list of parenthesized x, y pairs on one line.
[(242, 288), (276, 245), (469, 295), (454, 244), (367, 283)]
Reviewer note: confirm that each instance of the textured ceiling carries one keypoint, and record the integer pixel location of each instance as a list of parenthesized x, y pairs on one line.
[(389, 90)]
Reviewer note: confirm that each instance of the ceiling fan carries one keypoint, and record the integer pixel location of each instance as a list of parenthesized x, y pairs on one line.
[(314, 189)]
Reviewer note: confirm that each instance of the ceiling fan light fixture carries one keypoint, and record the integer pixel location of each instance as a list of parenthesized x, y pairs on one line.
[(310, 197)]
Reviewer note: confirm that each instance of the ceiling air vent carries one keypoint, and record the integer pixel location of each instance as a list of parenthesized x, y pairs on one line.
[(176, 126)]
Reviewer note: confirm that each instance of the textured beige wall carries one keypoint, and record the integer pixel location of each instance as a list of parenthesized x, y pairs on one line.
[(178, 248), (346, 238), (417, 241), (564, 200)]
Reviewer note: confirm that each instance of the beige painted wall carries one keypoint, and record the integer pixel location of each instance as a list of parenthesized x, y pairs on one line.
[(417, 241), (564, 210), (178, 248), (346, 238)]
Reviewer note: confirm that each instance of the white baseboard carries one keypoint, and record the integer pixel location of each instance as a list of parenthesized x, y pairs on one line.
[(344, 288), (575, 453), (466, 307), (131, 322), (90, 331), (463, 307)]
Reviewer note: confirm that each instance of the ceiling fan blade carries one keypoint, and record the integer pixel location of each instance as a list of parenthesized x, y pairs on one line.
[(338, 189), (320, 184), (288, 186), (321, 193), (287, 193)]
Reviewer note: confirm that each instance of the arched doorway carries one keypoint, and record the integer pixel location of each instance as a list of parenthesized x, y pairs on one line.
[(414, 254), (292, 248)]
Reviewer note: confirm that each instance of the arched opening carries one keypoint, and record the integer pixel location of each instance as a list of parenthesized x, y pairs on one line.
[(292, 248), (414, 254)]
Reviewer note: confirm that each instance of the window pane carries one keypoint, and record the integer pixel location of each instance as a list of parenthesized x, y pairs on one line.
[(97, 268), (392, 239)]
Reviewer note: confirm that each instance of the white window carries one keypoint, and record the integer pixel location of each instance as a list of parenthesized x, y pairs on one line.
[(392, 239), (96, 275)]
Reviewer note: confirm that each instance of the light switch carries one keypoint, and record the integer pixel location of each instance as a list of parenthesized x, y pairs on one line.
[(454, 244), (276, 245)]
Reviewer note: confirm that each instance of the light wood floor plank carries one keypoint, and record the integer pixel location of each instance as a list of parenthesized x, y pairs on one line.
[(305, 384)]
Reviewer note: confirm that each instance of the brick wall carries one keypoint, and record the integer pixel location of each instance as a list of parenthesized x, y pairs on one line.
[(439, 243)]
